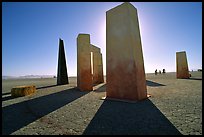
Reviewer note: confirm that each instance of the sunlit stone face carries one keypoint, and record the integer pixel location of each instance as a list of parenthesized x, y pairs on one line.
[(125, 67), (84, 76), (181, 65), (89, 64)]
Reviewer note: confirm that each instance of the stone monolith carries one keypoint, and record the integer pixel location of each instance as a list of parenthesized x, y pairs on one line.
[(84, 76), (100, 69), (62, 76), (181, 65), (97, 65), (124, 58)]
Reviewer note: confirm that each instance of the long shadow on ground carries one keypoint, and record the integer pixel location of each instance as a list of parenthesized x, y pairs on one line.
[(47, 86), (6, 93), (141, 118), (7, 98), (148, 83), (194, 79), (21, 114), (153, 84), (121, 118)]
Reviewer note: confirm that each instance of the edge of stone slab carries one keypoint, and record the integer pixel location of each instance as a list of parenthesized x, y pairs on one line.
[(124, 3)]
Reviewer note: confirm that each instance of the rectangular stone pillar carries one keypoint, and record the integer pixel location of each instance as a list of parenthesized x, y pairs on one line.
[(84, 76), (97, 65), (96, 52), (95, 68), (100, 69), (124, 58), (181, 65)]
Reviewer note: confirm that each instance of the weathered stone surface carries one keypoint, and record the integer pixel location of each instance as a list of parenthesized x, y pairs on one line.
[(124, 58), (84, 76), (62, 76), (100, 69), (97, 65), (96, 51), (181, 65), (22, 91)]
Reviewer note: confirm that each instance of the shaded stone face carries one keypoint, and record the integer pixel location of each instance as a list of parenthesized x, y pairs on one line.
[(100, 69), (124, 59), (84, 76), (97, 65), (181, 65), (62, 77)]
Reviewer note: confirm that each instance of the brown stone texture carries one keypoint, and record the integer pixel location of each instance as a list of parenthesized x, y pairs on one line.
[(84, 76), (97, 65), (181, 65), (22, 91), (100, 69), (124, 58)]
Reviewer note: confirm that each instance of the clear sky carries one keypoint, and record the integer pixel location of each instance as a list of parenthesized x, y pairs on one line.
[(31, 32)]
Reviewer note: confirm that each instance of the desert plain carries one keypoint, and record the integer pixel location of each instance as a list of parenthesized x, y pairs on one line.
[(175, 107)]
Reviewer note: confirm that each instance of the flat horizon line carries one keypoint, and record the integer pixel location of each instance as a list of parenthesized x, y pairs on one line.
[(51, 75)]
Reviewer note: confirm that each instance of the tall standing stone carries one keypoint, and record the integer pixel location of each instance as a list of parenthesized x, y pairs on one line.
[(62, 77), (97, 65), (124, 58), (96, 51), (100, 69), (181, 65), (84, 76)]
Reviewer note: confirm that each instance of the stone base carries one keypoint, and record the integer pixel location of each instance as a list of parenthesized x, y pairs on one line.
[(127, 101), (20, 91)]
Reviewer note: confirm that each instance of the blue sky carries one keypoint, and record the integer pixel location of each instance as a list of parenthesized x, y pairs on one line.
[(31, 32)]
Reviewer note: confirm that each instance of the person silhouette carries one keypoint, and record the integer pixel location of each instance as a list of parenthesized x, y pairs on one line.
[(156, 72)]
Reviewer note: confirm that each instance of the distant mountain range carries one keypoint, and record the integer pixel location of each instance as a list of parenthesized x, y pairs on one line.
[(28, 76)]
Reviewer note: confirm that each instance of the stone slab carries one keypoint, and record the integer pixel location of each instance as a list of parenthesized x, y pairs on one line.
[(124, 57), (181, 65), (62, 76), (84, 76), (20, 91)]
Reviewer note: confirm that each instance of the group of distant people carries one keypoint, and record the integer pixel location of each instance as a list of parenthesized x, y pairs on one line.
[(163, 71)]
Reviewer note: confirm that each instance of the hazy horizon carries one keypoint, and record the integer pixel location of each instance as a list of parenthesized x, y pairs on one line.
[(69, 76)]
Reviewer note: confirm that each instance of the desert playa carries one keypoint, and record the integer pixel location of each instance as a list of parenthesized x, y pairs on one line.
[(175, 107)]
